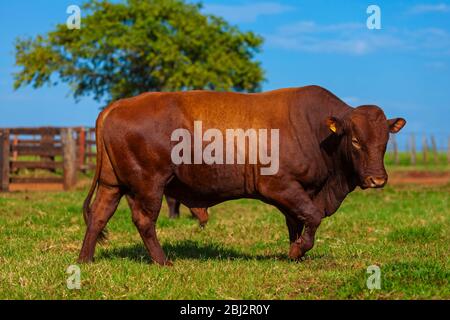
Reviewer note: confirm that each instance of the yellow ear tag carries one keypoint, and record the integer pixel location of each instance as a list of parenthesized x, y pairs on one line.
[(333, 127)]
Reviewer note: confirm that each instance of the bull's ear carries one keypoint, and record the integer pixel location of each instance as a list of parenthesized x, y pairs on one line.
[(396, 124), (335, 125)]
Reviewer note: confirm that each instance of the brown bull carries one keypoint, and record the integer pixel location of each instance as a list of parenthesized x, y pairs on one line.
[(326, 150)]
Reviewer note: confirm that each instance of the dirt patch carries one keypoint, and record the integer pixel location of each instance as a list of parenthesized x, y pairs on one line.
[(36, 187), (419, 177)]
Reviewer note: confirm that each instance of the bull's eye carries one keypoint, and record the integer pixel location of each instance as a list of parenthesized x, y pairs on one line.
[(355, 143)]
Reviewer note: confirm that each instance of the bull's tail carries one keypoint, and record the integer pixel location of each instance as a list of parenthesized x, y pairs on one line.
[(87, 202)]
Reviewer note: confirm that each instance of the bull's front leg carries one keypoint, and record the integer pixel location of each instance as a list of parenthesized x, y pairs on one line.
[(305, 242), (295, 226), (297, 205)]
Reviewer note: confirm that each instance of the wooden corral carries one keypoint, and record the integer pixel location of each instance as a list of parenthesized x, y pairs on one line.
[(86, 151), (51, 157)]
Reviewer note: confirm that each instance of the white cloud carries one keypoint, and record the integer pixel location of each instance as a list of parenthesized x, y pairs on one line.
[(436, 65), (429, 40), (427, 8), (315, 45), (351, 100), (312, 27), (248, 12), (356, 39), (344, 38)]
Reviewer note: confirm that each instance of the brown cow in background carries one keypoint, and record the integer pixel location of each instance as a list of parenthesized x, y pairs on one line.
[(326, 150), (174, 211)]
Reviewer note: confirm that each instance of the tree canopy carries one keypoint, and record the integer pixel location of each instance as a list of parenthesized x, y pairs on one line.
[(126, 48)]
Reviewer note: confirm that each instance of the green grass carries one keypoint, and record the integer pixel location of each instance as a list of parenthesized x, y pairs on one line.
[(241, 254)]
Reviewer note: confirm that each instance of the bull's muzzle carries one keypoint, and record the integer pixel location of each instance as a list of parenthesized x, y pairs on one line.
[(375, 182)]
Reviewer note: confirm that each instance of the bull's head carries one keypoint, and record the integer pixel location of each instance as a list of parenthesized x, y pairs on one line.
[(365, 132)]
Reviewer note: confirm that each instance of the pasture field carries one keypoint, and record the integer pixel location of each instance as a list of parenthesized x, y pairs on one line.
[(241, 254)]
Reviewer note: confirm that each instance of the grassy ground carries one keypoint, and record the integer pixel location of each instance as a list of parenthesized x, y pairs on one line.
[(241, 254)]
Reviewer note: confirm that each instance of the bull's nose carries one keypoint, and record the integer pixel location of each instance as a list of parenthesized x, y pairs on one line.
[(376, 182)]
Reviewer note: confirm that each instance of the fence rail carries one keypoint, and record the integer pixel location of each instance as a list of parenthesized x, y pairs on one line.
[(58, 152)]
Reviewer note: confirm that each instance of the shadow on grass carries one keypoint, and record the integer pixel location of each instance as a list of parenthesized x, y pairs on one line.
[(185, 250)]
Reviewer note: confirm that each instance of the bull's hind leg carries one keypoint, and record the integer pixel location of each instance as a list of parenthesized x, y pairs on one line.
[(174, 207), (102, 209), (145, 212)]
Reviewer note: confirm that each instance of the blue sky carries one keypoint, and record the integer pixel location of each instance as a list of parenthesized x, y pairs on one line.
[(404, 67)]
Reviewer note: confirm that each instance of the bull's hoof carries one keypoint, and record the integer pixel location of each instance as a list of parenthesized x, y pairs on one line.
[(168, 263), (295, 252), (83, 260)]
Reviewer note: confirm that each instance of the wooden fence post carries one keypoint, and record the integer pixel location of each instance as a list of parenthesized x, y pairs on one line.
[(15, 143), (47, 141), (395, 147), (4, 160), (435, 151), (448, 151), (69, 158), (82, 148), (425, 149), (413, 150), (15, 153), (91, 146)]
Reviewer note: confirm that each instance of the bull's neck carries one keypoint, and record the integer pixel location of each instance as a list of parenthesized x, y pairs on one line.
[(342, 179)]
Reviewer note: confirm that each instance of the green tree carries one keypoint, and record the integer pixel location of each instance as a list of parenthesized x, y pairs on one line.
[(134, 46)]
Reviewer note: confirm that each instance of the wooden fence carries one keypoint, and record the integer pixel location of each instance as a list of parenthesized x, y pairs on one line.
[(430, 152), (86, 154), (56, 153)]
